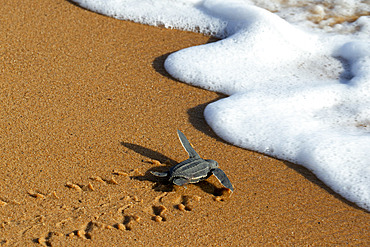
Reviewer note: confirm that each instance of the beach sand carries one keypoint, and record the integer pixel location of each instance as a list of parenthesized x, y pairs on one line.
[(87, 110)]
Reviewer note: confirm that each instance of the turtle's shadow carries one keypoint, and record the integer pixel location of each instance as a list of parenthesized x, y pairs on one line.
[(152, 155), (162, 184), (149, 153)]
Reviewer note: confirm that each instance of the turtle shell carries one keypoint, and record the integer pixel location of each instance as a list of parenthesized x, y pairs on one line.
[(192, 169)]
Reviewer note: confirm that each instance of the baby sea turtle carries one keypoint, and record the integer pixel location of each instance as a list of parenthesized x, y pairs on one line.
[(194, 169)]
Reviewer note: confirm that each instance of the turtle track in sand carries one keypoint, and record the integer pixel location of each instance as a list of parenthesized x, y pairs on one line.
[(98, 204)]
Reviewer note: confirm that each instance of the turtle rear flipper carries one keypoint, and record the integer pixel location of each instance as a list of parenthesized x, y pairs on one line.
[(180, 181), (160, 174), (224, 180)]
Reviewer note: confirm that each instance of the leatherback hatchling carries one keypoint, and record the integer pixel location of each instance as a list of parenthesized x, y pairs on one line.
[(194, 169)]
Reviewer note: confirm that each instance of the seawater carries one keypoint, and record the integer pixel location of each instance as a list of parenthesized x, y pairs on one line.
[(297, 74)]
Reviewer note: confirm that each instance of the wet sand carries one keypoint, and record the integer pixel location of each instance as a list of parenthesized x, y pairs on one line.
[(87, 110)]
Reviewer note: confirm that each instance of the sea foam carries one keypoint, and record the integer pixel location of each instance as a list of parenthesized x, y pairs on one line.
[(299, 90)]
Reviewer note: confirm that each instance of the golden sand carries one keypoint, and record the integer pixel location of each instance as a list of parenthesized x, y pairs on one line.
[(85, 102)]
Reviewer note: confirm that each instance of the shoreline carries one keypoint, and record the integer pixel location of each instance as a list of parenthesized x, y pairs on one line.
[(86, 108)]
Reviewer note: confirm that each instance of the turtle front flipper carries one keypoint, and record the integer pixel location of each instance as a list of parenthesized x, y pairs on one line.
[(160, 174), (224, 180), (186, 144)]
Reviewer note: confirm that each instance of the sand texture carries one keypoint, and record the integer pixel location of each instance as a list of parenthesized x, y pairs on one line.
[(87, 111)]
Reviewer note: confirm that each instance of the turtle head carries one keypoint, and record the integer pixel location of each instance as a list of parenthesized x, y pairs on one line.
[(212, 163)]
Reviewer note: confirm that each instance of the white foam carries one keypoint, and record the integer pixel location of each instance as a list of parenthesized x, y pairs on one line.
[(301, 94), (181, 14), (265, 53)]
